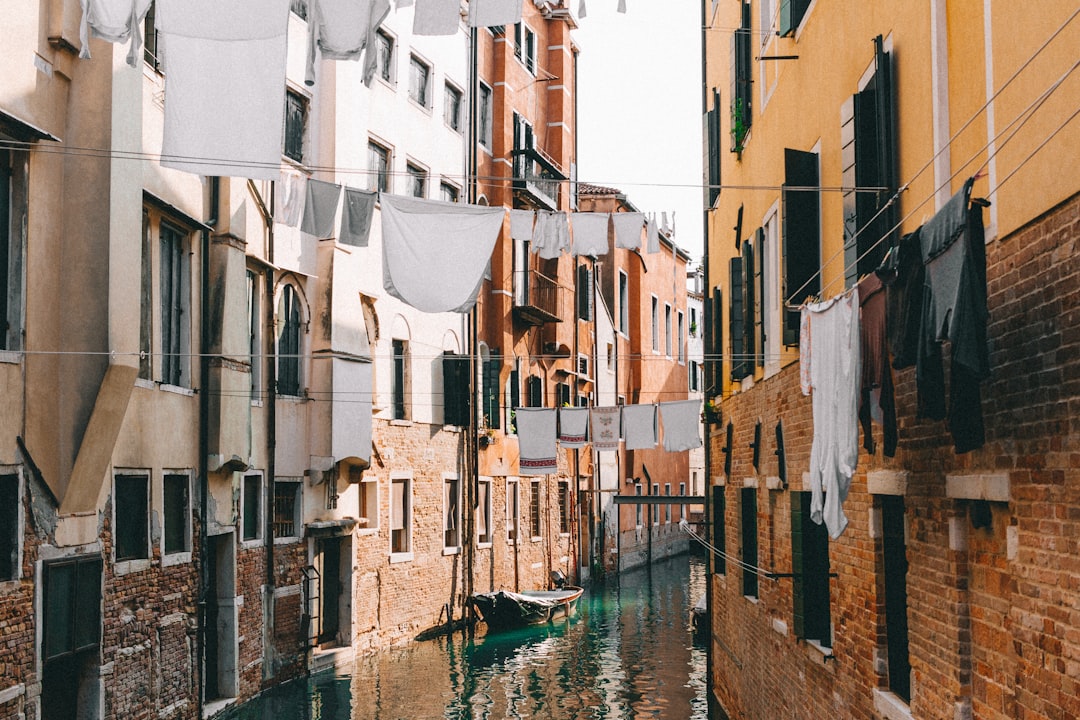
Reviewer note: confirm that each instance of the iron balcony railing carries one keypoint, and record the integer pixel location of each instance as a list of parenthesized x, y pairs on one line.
[(536, 298), (538, 176)]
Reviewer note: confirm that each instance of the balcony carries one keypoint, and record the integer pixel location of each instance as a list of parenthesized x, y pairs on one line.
[(537, 177), (536, 298)]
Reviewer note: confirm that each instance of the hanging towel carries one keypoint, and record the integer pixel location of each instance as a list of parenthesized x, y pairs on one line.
[(115, 21), (320, 208), (536, 440), (639, 426), (573, 425), (521, 224), (356, 216), (224, 86), (652, 236), (682, 424), (590, 233), (551, 236), (435, 252), (628, 229), (622, 6), (488, 13), (290, 194), (436, 17), (835, 372), (581, 9), (341, 29), (604, 427)]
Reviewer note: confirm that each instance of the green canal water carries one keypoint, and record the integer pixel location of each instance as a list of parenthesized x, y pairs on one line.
[(628, 654)]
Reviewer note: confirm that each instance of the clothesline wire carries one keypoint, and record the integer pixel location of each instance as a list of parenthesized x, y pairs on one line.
[(760, 572), (1020, 120), (903, 188)]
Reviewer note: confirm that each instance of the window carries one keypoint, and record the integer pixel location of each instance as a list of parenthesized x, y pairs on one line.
[(448, 192), (299, 8), (384, 46), (456, 405), (584, 292), (565, 507), (524, 139), (655, 325), (715, 140), (534, 391), (745, 310), (869, 159), (369, 503), (419, 81), (131, 516), (525, 46), (483, 512), (490, 369), (667, 330), (287, 505), (72, 604), (251, 507), (667, 506), (452, 108), (638, 508), (513, 501), (513, 394), (714, 347), (400, 515), (679, 337), (417, 180), (535, 528), (624, 303), (255, 333), (737, 320), (177, 512), (791, 16), (810, 570), (10, 530), (146, 298), (562, 394), (289, 321), (694, 376), (741, 89), (451, 512), (894, 566), (378, 167), (693, 322), (400, 380), (748, 506), (174, 287), (655, 506), (484, 116), (719, 533), (801, 236), (295, 123), (769, 330), (153, 48), (610, 347)]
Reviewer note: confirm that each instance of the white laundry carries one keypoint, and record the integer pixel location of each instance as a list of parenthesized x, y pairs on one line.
[(115, 21), (536, 441), (356, 214), (404, 4), (590, 233), (488, 13), (436, 17), (224, 123), (551, 236), (834, 376), (628, 228), (681, 420), (435, 252), (290, 192), (622, 6), (805, 360), (521, 224), (581, 9), (573, 426), (342, 29), (652, 236), (604, 427), (320, 208), (639, 426)]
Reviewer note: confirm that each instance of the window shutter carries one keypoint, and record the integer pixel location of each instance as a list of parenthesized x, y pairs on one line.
[(534, 392), (867, 174), (719, 508), (455, 389), (802, 236), (515, 397), (584, 292), (800, 513), (888, 159), (748, 500), (750, 306), (492, 411), (736, 320), (847, 170), (791, 15), (714, 143), (72, 600), (810, 572), (759, 296)]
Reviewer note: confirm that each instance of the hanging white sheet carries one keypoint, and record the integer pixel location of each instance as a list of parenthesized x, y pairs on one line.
[(573, 426), (590, 233), (681, 420), (639, 426), (536, 441)]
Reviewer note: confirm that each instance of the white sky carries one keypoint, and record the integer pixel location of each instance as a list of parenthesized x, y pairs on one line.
[(639, 107)]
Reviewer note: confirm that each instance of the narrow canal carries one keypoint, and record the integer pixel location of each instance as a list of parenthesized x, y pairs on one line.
[(628, 654)]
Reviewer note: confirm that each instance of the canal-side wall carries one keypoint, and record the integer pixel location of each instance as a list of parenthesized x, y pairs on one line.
[(668, 540), (990, 535)]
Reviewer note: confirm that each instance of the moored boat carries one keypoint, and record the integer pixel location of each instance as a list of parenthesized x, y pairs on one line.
[(506, 609)]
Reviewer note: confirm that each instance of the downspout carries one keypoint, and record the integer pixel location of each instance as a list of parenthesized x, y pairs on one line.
[(472, 442), (204, 434)]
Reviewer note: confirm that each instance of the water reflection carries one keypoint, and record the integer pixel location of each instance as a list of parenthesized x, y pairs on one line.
[(627, 654)]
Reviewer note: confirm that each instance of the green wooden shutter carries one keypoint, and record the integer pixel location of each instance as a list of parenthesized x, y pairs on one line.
[(759, 296), (737, 320), (492, 410), (719, 528), (455, 389), (750, 306), (800, 513), (801, 235), (748, 501)]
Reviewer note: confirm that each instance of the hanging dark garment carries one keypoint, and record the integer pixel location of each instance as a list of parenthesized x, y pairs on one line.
[(954, 309), (876, 395), (902, 272)]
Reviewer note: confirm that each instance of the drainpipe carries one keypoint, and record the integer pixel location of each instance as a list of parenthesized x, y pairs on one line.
[(472, 441), (204, 434)]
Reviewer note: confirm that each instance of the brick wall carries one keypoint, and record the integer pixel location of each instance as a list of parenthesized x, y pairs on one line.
[(992, 612)]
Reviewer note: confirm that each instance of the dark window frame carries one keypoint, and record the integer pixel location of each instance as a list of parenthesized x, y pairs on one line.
[(288, 502), (251, 512), (811, 611), (801, 231), (290, 341), (295, 126), (131, 501), (176, 497), (11, 530), (748, 528)]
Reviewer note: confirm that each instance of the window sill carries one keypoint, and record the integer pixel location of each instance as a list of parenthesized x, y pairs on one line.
[(368, 531), (426, 109), (400, 557), (177, 390), (256, 403), (400, 422), (752, 599), (292, 398), (891, 706), (536, 538), (451, 550), (564, 534), (483, 545), (10, 356), (818, 652), (290, 540), (127, 567), (251, 544), (179, 558), (145, 383)]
